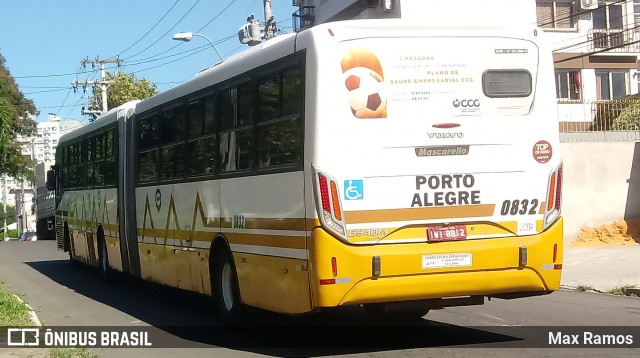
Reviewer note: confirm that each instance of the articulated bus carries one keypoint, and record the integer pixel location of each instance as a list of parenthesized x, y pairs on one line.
[(382, 163)]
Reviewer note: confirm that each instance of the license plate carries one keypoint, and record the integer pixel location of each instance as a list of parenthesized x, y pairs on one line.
[(447, 233)]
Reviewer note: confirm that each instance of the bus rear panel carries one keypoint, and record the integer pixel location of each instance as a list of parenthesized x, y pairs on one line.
[(435, 164)]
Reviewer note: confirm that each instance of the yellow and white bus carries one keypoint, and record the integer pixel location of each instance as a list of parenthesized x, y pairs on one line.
[(382, 163)]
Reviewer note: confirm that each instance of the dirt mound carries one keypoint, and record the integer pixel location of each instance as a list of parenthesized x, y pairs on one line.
[(618, 233)]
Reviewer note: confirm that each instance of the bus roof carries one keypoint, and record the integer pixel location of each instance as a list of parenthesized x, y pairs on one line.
[(101, 121)]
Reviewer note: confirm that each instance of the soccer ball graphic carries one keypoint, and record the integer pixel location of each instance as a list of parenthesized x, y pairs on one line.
[(364, 80), (367, 96)]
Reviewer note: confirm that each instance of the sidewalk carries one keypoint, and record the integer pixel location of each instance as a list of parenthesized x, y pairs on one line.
[(601, 268)]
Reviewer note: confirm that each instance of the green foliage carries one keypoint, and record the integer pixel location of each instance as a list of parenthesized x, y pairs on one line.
[(619, 114), (629, 118), (123, 88), (15, 120), (72, 353), (13, 233), (13, 313), (584, 288), (11, 215), (620, 291)]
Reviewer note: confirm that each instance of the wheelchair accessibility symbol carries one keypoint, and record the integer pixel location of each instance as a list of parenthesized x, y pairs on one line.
[(353, 189)]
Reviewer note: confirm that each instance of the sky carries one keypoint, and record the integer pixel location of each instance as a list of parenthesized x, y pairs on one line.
[(44, 41)]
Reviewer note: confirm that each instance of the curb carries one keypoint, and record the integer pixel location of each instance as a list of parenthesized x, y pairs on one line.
[(32, 313), (632, 291), (629, 291)]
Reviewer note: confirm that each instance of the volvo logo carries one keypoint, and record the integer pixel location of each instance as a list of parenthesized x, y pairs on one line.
[(433, 135), (466, 103)]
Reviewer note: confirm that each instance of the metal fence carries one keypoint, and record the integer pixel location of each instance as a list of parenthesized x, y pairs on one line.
[(612, 120)]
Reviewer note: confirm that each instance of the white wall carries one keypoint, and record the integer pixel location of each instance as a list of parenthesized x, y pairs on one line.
[(601, 183)]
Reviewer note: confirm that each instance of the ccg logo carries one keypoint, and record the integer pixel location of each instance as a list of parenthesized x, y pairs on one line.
[(466, 103)]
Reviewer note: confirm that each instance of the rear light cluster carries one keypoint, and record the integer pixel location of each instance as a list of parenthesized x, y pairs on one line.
[(554, 197), (328, 204)]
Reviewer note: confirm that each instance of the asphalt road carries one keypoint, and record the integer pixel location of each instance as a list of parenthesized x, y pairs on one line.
[(63, 294)]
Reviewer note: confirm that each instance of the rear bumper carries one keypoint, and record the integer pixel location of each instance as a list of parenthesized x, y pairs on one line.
[(494, 268)]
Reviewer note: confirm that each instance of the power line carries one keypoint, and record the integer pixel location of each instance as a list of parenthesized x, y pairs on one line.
[(149, 59), (577, 13), (165, 57), (59, 107), (166, 63), (190, 52), (46, 76), (147, 33), (68, 93), (218, 15), (595, 52), (153, 58), (44, 87), (168, 31), (587, 43), (74, 107), (46, 91)]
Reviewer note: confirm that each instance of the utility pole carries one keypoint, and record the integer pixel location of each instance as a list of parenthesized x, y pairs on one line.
[(103, 83), (20, 212), (4, 201), (252, 33), (270, 22)]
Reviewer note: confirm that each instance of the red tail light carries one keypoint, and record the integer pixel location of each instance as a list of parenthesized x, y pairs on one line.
[(328, 204), (552, 188), (559, 189), (554, 197), (324, 192)]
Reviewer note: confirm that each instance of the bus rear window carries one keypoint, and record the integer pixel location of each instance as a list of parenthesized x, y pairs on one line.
[(506, 83)]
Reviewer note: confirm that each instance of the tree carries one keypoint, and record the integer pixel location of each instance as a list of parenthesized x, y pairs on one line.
[(11, 215), (122, 89), (16, 114)]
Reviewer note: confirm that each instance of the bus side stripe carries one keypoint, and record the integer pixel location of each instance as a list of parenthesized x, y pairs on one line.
[(270, 251), (442, 212), (292, 242)]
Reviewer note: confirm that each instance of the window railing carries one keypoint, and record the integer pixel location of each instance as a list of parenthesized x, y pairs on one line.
[(622, 114), (615, 40)]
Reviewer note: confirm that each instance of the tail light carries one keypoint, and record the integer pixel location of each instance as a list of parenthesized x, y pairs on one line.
[(554, 197), (328, 204)]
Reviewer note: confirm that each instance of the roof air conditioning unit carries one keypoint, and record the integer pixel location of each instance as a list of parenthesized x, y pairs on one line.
[(589, 4)]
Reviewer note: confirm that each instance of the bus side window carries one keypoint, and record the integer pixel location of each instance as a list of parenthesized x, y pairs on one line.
[(279, 133), (269, 97), (148, 155), (291, 92)]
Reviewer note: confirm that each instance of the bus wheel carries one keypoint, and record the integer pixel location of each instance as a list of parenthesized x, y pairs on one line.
[(103, 261), (385, 312), (66, 242), (224, 286)]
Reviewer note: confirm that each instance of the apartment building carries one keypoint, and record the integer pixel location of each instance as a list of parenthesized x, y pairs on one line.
[(40, 148), (596, 44)]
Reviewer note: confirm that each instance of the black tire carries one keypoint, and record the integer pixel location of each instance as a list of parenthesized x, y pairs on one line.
[(66, 242), (380, 312), (224, 287), (103, 261), (41, 229)]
